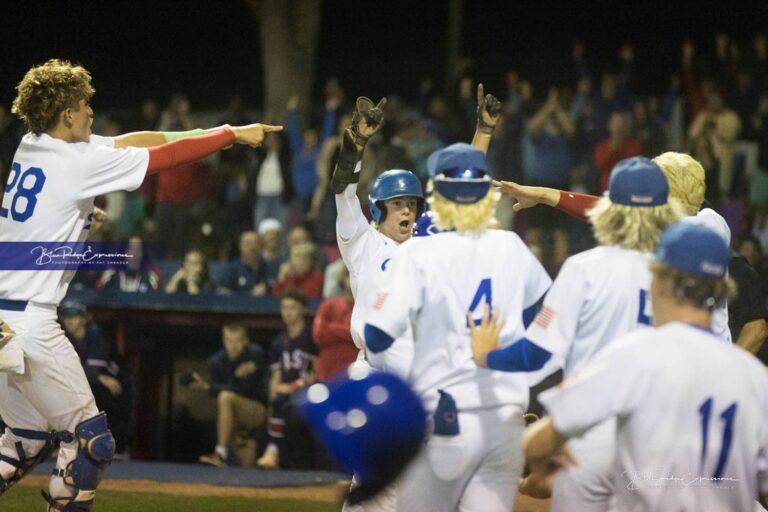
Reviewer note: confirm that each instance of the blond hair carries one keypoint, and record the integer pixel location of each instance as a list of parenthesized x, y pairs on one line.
[(699, 291), (463, 217), (632, 227), (49, 89), (686, 179)]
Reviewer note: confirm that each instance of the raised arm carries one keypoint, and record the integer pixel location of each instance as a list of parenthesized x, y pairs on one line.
[(151, 139), (572, 203), (488, 113), (366, 120)]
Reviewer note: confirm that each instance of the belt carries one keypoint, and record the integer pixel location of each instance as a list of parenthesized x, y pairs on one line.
[(13, 305)]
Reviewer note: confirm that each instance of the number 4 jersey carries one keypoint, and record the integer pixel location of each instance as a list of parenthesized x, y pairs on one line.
[(49, 198), (432, 284), (692, 429)]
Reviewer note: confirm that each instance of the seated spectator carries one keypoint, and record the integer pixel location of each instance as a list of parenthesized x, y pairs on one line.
[(269, 231), (618, 146), (237, 374), (299, 272), (300, 234), (192, 278), (108, 377), (291, 356), (249, 274), (139, 275), (331, 332)]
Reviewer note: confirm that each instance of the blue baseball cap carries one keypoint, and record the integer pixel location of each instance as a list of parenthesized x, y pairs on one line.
[(425, 225), (372, 424), (72, 308), (693, 248), (456, 156), (463, 186), (638, 181)]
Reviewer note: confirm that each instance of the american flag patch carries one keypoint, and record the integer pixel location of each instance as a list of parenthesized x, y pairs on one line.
[(379, 302), (545, 317)]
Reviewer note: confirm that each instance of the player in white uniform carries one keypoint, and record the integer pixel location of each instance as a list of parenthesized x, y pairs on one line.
[(686, 184), (57, 171), (691, 411), (433, 283), (597, 296)]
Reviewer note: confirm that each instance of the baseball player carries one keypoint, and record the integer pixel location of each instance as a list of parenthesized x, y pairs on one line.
[(598, 295), (57, 171), (433, 284), (692, 426), (686, 184)]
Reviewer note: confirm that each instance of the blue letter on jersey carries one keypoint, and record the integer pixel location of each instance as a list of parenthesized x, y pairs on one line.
[(642, 318), (483, 291)]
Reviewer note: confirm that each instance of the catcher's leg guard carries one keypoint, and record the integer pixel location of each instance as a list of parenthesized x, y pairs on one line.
[(95, 449), (22, 462)]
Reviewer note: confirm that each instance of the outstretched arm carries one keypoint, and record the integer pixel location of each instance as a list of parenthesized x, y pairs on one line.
[(488, 113), (572, 203), (152, 139)]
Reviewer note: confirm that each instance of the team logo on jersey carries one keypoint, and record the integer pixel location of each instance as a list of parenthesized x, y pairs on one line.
[(380, 298), (384, 264), (545, 317)]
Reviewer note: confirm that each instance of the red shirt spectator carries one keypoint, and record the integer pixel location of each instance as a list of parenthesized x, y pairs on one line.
[(618, 146), (331, 332), (299, 272), (310, 284)]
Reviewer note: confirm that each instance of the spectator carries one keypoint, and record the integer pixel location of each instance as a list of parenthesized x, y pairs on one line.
[(291, 356), (237, 374), (192, 278), (618, 146), (271, 183), (331, 332), (299, 235), (108, 377), (648, 128), (549, 133), (249, 274), (299, 272), (711, 137), (305, 148), (139, 276), (269, 231)]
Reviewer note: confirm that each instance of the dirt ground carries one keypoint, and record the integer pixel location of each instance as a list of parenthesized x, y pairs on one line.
[(333, 493)]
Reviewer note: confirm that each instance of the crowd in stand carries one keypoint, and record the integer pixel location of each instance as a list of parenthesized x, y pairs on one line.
[(262, 222)]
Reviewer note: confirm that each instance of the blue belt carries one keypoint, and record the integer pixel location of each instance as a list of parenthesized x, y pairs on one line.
[(13, 305)]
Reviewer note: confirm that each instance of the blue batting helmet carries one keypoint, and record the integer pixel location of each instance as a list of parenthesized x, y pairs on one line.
[(390, 184), (372, 425)]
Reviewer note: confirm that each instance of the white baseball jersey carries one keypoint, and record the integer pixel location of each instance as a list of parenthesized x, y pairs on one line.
[(432, 284), (49, 198), (692, 429), (714, 221), (598, 295)]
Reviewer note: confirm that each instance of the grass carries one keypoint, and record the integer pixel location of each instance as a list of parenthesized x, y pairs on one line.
[(27, 498)]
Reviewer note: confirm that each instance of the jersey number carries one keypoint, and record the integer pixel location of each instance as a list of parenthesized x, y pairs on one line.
[(643, 316), (483, 293), (27, 184), (728, 415)]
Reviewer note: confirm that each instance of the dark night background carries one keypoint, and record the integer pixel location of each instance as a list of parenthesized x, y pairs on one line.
[(211, 49)]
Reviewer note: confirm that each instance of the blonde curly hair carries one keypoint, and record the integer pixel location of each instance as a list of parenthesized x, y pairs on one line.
[(49, 89), (631, 227), (463, 217), (685, 176)]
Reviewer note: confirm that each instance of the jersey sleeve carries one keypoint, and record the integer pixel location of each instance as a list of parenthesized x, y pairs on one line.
[(108, 170), (102, 141), (350, 220), (554, 327), (611, 385), (399, 301)]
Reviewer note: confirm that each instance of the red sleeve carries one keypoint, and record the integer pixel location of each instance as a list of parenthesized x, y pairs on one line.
[(183, 151), (576, 205), (332, 325)]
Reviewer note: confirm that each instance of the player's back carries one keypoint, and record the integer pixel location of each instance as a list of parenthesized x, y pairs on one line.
[(460, 274), (693, 440), (599, 295)]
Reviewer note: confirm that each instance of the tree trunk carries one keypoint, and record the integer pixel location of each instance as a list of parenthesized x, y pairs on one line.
[(289, 30)]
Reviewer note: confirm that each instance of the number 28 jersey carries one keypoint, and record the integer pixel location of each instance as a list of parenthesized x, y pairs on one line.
[(49, 198)]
